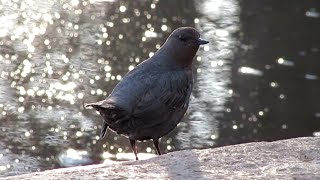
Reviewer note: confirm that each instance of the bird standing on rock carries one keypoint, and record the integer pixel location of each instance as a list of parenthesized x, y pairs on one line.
[(150, 100)]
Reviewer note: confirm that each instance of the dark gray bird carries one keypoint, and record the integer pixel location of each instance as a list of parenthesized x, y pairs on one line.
[(151, 99)]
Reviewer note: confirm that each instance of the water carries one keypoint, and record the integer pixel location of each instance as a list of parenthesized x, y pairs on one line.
[(257, 80)]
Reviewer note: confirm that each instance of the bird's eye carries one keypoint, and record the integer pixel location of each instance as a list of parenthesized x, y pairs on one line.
[(182, 38)]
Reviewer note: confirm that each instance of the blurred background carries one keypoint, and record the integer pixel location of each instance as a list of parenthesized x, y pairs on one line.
[(258, 79)]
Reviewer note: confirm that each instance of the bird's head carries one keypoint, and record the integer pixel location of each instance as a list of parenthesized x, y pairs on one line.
[(186, 37), (183, 43)]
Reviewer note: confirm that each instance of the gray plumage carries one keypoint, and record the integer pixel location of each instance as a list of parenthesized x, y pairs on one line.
[(151, 99)]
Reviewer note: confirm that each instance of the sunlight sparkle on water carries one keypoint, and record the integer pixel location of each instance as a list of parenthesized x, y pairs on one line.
[(122, 8), (249, 70), (107, 155), (164, 27), (3, 168), (148, 149), (71, 157), (150, 34), (30, 92), (64, 87), (285, 62), (131, 67), (99, 91), (213, 136), (27, 134), (311, 77), (74, 2), (80, 95), (282, 96), (20, 109), (260, 113), (107, 68), (317, 134), (79, 133), (220, 62), (214, 63), (274, 84), (313, 13), (21, 99), (222, 33)]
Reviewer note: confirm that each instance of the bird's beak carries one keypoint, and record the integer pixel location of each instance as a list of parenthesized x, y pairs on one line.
[(202, 41)]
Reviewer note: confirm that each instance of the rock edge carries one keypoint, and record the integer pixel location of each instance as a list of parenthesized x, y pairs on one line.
[(297, 158)]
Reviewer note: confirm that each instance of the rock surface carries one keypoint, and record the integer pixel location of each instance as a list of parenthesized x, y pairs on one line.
[(297, 158)]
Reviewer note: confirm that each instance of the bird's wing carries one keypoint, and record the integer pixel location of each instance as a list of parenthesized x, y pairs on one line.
[(169, 93)]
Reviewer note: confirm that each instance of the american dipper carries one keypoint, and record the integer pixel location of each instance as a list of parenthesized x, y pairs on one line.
[(151, 99)]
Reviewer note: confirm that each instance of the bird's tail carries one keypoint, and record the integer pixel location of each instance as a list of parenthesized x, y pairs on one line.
[(113, 116), (100, 104), (94, 105), (103, 129)]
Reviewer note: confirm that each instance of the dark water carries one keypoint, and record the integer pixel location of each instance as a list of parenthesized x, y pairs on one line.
[(258, 79)]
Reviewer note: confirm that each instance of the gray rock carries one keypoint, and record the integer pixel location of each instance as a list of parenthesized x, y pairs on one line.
[(297, 158)]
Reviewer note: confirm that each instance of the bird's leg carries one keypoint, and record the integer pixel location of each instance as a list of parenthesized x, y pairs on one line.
[(134, 148), (156, 144)]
